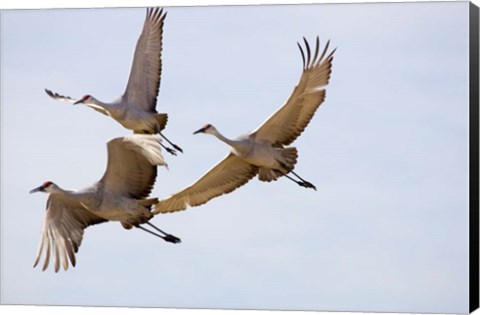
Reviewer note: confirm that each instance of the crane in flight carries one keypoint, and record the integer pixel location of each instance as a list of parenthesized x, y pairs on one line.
[(263, 151), (136, 108), (120, 195)]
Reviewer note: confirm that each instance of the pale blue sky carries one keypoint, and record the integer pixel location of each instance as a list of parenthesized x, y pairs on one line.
[(387, 228)]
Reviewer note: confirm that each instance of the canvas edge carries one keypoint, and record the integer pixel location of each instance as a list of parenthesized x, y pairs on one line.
[(474, 159), (474, 114)]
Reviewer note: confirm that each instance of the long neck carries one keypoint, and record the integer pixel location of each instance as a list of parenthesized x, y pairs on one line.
[(237, 145), (61, 191), (83, 195), (223, 138), (104, 108)]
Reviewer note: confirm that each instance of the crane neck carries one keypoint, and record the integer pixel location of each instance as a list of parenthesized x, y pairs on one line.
[(108, 109), (223, 138), (102, 104), (79, 195), (58, 190), (238, 145)]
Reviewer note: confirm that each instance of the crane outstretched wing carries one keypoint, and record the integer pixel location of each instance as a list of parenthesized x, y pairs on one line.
[(132, 165), (144, 82), (229, 174), (61, 98), (288, 122), (68, 99), (62, 231)]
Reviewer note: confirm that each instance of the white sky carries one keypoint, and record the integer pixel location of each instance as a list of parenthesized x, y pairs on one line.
[(387, 229)]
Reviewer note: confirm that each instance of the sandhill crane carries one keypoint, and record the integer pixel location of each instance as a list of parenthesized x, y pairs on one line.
[(120, 195), (136, 108), (262, 152)]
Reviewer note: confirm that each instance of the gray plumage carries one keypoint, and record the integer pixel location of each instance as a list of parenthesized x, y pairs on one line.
[(136, 108), (263, 151), (120, 195)]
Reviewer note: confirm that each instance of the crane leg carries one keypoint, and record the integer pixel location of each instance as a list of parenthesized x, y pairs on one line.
[(301, 182), (169, 150), (172, 144), (166, 237)]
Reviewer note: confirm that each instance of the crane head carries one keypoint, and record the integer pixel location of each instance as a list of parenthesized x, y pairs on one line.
[(83, 99), (45, 187), (208, 128)]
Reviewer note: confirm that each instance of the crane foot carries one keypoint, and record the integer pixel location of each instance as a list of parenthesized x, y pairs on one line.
[(171, 151), (172, 239), (307, 185), (177, 148)]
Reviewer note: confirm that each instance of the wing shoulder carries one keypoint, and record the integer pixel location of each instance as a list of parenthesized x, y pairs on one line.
[(132, 165)]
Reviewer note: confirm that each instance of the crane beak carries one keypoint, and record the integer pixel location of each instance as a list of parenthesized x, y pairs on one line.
[(78, 102), (199, 131), (39, 188)]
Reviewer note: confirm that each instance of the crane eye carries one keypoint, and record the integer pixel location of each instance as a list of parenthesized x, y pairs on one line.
[(47, 183)]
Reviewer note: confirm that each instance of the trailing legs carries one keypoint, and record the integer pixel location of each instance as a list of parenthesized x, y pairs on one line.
[(166, 237)]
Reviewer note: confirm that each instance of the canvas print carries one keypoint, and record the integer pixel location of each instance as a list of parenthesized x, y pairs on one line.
[(280, 157)]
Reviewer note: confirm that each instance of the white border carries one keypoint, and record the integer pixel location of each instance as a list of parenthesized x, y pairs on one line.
[(29, 4), (54, 310)]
